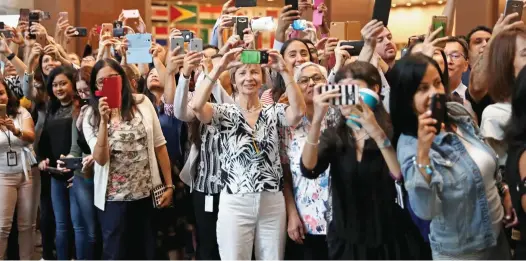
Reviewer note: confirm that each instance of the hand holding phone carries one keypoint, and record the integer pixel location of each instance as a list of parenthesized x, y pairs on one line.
[(177, 41), (241, 24), (71, 163), (348, 94), (438, 110), (514, 6), (196, 45), (112, 90)]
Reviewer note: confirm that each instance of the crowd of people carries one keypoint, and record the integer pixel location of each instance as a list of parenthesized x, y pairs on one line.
[(202, 154)]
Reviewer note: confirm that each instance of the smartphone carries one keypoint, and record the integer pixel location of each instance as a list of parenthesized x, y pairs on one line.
[(81, 32), (175, 42), (245, 3), (24, 14), (2, 26), (299, 25), (133, 13), (187, 35), (514, 6), (254, 57), (381, 11), (84, 102), (196, 45), (45, 15), (317, 17), (64, 16), (118, 32), (404, 51), (33, 18), (117, 24), (54, 171), (338, 30), (349, 94), (3, 110), (241, 24), (41, 39), (358, 46), (72, 163), (7, 34), (294, 4), (107, 29), (139, 48), (112, 90), (440, 21), (438, 109)]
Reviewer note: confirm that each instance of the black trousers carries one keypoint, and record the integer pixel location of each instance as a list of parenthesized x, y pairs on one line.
[(314, 247), (47, 218), (205, 226)]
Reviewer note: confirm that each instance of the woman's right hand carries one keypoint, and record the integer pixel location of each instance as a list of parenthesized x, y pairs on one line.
[(104, 110), (286, 17), (43, 165), (230, 59), (426, 134), (61, 163), (341, 54), (191, 62), (321, 102)]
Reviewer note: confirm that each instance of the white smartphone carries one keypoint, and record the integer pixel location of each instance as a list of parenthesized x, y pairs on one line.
[(134, 13)]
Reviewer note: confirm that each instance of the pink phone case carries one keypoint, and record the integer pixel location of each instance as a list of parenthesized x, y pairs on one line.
[(317, 18)]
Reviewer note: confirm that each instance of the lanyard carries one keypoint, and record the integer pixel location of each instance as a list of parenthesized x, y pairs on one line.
[(8, 136)]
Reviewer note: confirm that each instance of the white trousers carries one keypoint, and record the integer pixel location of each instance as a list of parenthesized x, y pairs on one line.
[(247, 220)]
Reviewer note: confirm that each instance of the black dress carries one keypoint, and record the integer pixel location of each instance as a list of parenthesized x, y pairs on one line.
[(513, 178), (367, 223)]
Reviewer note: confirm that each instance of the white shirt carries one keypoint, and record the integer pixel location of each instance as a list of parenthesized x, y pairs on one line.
[(23, 150), (461, 91), (494, 120)]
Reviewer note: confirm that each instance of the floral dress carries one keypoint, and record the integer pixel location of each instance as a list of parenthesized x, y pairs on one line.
[(130, 176)]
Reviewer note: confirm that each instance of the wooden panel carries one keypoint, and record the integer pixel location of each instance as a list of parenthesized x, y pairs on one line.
[(472, 13)]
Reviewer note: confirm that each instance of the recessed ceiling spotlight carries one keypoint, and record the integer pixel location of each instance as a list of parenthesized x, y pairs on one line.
[(424, 3), (408, 4), (393, 5), (440, 2)]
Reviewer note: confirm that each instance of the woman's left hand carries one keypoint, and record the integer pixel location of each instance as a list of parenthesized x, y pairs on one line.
[(368, 121), (276, 61), (167, 198)]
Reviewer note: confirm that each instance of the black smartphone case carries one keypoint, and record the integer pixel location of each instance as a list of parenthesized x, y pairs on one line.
[(73, 163), (438, 109), (294, 4), (241, 24), (245, 3), (358, 46), (381, 10)]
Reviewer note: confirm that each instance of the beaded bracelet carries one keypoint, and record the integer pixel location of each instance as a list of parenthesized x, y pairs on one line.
[(428, 169)]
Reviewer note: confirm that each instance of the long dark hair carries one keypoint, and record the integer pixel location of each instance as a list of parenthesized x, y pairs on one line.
[(369, 74), (516, 127), (279, 85), (70, 73), (149, 94), (409, 71), (12, 101), (128, 103)]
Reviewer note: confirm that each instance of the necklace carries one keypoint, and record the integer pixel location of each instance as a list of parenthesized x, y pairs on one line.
[(251, 110)]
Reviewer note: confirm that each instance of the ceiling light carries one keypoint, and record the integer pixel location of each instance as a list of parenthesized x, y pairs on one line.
[(408, 4), (424, 3), (393, 5), (440, 2)]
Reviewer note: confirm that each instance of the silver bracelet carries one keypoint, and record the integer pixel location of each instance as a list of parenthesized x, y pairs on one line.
[(312, 143)]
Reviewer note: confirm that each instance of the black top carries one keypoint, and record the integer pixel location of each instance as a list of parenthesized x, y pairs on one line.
[(56, 136), (513, 179), (363, 193), (478, 107)]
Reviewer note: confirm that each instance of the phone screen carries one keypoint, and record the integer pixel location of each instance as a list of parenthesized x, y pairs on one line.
[(437, 23), (3, 110), (251, 57)]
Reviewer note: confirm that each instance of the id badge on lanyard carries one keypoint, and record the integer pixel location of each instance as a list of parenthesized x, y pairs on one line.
[(12, 159)]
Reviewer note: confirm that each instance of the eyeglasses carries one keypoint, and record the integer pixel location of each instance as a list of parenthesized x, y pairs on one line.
[(315, 78), (85, 92), (100, 81), (455, 56)]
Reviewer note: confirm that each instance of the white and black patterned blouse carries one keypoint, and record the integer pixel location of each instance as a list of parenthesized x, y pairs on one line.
[(250, 159), (208, 178)]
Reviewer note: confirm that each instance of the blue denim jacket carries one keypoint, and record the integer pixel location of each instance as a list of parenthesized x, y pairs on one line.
[(455, 200)]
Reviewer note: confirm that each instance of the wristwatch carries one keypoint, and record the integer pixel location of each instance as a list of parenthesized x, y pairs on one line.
[(11, 56)]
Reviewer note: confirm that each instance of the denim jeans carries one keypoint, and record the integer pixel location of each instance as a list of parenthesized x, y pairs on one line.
[(127, 231), (66, 213), (83, 192)]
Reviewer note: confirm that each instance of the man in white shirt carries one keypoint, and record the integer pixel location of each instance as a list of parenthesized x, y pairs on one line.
[(457, 62)]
